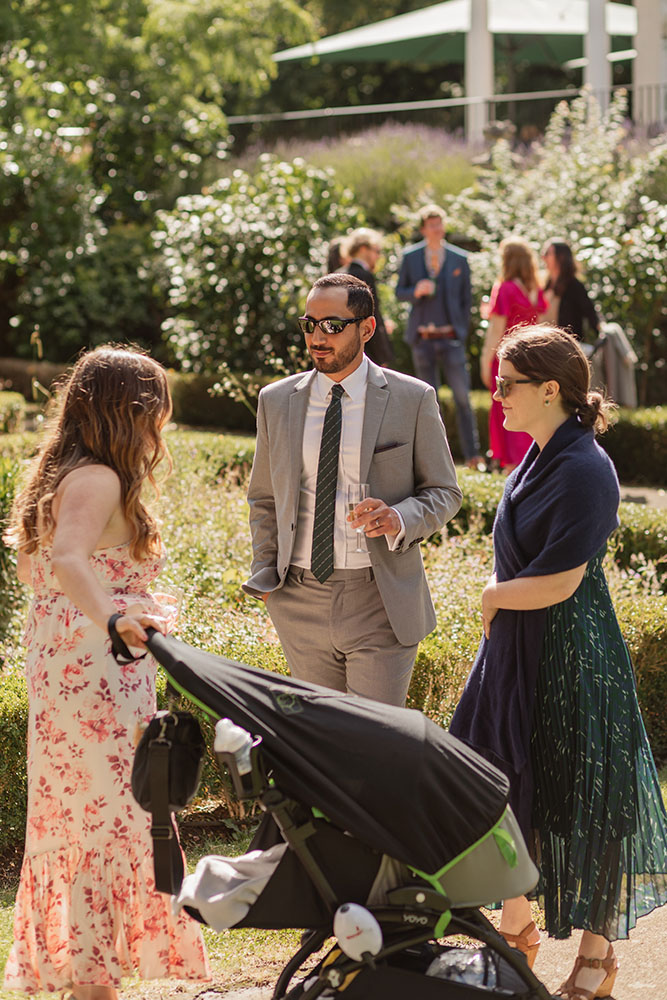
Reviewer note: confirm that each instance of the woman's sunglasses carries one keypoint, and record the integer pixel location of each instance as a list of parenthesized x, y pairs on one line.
[(504, 385), (329, 325)]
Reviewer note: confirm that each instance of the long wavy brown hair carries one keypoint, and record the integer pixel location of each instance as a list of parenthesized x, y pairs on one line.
[(110, 410), (518, 260)]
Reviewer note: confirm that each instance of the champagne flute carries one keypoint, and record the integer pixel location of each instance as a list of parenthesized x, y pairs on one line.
[(170, 602), (356, 492)]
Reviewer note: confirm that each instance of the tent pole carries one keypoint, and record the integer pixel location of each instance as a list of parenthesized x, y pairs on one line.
[(649, 68), (596, 50), (479, 73)]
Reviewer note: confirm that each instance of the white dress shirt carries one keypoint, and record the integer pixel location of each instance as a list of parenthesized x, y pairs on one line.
[(353, 403)]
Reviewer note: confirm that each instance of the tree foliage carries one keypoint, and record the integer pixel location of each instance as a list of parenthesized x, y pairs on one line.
[(144, 81), (109, 110)]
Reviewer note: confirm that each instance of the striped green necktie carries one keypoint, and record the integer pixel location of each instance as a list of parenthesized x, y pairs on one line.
[(322, 552)]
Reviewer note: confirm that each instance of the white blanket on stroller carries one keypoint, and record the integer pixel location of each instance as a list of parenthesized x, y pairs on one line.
[(224, 889)]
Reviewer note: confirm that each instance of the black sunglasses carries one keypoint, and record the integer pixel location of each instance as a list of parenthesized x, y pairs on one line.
[(504, 385), (328, 325)]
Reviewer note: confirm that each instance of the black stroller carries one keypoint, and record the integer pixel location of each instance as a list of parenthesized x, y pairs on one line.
[(380, 830)]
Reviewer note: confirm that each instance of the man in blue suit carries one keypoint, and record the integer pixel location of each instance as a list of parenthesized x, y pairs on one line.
[(435, 278)]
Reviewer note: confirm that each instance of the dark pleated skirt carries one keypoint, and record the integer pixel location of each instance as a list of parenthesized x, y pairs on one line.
[(599, 819)]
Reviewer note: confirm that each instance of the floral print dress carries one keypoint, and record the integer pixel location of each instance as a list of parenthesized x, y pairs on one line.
[(87, 911)]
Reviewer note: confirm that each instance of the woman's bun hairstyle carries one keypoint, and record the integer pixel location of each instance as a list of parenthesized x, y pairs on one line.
[(546, 352)]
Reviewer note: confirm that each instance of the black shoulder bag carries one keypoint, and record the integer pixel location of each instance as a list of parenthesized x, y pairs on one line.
[(165, 776)]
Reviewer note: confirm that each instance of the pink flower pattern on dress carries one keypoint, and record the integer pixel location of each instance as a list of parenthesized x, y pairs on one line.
[(87, 911)]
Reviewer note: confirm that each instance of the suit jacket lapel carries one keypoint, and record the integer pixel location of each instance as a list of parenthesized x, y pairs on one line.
[(298, 405), (377, 395), (445, 276)]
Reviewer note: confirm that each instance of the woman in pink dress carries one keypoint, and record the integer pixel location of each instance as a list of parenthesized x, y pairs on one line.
[(516, 300), (87, 911)]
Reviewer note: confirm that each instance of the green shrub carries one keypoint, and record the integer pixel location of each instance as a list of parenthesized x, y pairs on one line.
[(17, 447), (209, 456), (12, 412), (48, 204), (643, 618), (239, 259), (480, 401), (638, 546), (13, 778), (10, 588), (107, 294), (637, 445), (195, 404)]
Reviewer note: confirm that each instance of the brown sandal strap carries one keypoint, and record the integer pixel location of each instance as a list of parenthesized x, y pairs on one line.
[(607, 963), (521, 940), (571, 991)]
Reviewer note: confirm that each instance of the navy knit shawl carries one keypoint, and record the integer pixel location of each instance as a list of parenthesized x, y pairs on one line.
[(558, 509)]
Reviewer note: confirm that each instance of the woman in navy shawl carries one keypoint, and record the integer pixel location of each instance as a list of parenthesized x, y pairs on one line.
[(551, 698)]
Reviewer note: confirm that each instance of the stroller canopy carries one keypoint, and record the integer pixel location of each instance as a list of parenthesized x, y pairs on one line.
[(388, 776)]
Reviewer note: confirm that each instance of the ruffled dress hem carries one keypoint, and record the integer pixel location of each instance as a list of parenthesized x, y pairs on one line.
[(69, 898)]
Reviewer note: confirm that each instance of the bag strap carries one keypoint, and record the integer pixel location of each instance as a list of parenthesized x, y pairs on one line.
[(119, 649), (167, 857)]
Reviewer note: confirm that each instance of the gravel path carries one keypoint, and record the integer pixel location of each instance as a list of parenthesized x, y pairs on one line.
[(650, 496)]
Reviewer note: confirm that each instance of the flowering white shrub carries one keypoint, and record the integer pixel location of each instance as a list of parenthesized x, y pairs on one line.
[(239, 259), (585, 184)]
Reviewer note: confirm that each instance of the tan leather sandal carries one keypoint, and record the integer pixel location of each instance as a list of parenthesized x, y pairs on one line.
[(520, 942), (569, 988)]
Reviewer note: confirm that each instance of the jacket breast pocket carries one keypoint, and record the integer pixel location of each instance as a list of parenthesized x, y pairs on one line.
[(396, 453), (391, 474)]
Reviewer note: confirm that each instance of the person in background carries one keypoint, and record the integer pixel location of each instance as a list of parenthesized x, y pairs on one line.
[(363, 248), (516, 300), (87, 912), (435, 279), (336, 255), (569, 303), (551, 697), (349, 608)]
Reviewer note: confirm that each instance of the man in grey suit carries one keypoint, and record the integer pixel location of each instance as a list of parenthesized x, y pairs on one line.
[(346, 619), (435, 278)]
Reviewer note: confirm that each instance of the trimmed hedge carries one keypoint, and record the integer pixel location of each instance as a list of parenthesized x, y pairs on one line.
[(10, 589), (194, 404), (644, 626), (18, 374), (637, 443), (13, 775)]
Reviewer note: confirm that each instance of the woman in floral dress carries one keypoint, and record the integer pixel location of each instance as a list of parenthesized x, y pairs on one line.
[(87, 911)]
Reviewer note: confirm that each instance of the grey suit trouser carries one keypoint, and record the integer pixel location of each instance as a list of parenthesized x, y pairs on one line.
[(337, 634)]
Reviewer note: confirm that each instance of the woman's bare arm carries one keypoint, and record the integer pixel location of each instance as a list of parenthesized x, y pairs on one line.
[(88, 502), (527, 593)]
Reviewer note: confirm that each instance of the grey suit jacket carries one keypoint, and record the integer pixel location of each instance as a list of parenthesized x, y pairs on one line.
[(406, 461)]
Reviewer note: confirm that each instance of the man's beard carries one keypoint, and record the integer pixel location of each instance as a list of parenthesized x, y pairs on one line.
[(336, 361)]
